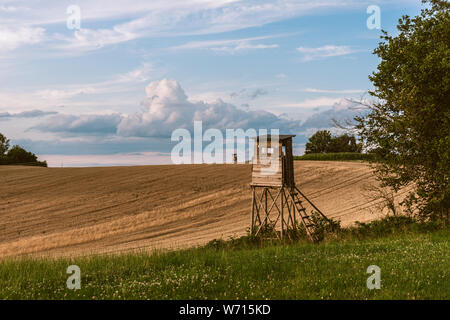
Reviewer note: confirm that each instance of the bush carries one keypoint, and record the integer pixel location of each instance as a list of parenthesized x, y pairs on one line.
[(323, 228), (329, 230)]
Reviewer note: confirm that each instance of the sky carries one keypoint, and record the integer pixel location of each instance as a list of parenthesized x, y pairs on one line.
[(91, 83)]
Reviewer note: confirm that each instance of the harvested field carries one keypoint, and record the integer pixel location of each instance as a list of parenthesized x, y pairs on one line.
[(80, 211)]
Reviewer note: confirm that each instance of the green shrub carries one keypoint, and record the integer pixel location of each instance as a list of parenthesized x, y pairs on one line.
[(323, 227), (330, 230)]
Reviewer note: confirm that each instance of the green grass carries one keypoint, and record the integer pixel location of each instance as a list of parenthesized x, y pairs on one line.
[(340, 156), (414, 264)]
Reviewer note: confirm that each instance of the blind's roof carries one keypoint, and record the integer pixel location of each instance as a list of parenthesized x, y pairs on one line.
[(281, 137)]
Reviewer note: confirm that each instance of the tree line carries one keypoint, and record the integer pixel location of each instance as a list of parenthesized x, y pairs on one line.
[(16, 154), (323, 142)]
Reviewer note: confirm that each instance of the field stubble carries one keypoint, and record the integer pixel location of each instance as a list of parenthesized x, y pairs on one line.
[(81, 211)]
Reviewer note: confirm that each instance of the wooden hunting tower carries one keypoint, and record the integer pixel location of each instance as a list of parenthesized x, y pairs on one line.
[(277, 204)]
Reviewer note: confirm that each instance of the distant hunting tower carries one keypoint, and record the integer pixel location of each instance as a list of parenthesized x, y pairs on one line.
[(277, 204)]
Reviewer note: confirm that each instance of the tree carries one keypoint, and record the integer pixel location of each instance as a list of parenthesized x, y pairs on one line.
[(323, 142), (19, 155), (344, 143), (4, 145), (408, 126), (318, 142)]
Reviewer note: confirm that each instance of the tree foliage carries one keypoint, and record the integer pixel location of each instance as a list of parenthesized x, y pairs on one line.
[(4, 145), (323, 142), (408, 126), (17, 154), (344, 143), (318, 142)]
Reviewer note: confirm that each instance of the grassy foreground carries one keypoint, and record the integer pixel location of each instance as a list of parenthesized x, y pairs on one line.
[(414, 265)]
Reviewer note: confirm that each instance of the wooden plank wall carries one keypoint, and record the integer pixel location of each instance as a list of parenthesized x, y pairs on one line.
[(289, 164), (267, 170)]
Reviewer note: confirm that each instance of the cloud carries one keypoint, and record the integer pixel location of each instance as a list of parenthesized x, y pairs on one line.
[(231, 46), (169, 108), (116, 84), (55, 94), (228, 13), (83, 124), (89, 39), (327, 51), (10, 9), (27, 114), (122, 21), (243, 46), (257, 93), (249, 94), (341, 111), (333, 91), (313, 103), (139, 74), (14, 37), (93, 144), (79, 96)]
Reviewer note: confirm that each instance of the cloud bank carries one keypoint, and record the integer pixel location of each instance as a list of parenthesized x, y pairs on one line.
[(84, 124), (123, 21), (167, 108), (341, 111), (27, 114)]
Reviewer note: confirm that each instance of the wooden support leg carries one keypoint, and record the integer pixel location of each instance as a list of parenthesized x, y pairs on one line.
[(252, 230), (282, 213)]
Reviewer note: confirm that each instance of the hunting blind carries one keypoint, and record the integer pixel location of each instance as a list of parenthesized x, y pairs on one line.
[(277, 203)]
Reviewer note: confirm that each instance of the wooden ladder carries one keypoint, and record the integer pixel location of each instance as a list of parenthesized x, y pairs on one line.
[(305, 218)]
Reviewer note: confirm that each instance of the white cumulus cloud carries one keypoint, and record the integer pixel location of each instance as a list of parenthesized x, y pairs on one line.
[(169, 108)]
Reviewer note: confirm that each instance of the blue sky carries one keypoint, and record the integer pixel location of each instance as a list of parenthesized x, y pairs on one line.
[(111, 92)]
